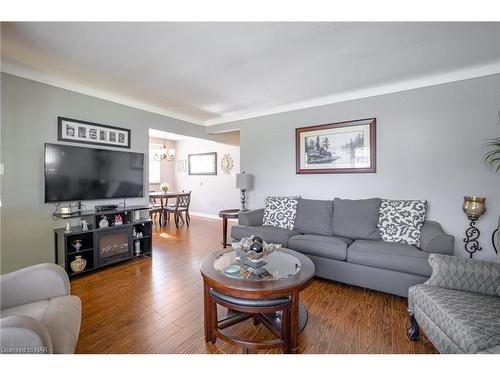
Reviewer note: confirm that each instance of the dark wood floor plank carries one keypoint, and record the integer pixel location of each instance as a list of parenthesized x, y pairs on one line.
[(155, 306)]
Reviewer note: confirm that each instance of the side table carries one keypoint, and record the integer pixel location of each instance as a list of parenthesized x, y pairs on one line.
[(227, 214)]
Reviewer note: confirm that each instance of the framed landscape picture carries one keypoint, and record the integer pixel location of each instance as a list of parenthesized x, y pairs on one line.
[(342, 147), (71, 130), (202, 164)]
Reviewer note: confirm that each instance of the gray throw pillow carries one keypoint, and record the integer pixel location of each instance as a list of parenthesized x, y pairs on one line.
[(314, 217), (280, 212), (356, 218), (401, 221)]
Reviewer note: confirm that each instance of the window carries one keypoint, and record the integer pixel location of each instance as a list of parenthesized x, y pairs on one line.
[(154, 165)]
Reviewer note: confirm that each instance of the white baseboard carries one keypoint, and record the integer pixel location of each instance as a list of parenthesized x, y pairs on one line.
[(209, 216)]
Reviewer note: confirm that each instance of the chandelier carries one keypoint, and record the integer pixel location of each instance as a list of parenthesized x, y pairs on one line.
[(166, 153)]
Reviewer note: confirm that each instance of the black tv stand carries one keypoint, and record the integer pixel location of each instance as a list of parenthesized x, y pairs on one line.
[(97, 243), (106, 207)]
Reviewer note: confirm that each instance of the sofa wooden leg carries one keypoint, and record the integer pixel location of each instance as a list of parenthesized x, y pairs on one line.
[(413, 332)]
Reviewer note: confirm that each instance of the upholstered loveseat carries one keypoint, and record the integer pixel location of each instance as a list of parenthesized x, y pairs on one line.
[(342, 239), (458, 308), (38, 314)]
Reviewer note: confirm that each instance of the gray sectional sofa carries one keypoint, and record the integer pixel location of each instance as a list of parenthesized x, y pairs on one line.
[(342, 239)]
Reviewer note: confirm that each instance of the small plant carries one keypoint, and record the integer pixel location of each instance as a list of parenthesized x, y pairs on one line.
[(165, 186), (492, 157)]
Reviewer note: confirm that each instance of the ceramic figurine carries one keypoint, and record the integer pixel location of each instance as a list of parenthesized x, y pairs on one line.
[(104, 222), (139, 235), (134, 233), (77, 244), (68, 227), (85, 224), (118, 220), (79, 264)]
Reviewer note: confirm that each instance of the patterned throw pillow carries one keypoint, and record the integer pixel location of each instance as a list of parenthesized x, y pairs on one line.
[(401, 221), (280, 211)]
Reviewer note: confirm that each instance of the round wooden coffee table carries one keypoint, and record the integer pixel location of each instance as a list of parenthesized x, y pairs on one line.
[(285, 274)]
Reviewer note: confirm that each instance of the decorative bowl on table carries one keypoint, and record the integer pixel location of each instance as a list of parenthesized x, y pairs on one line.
[(254, 249)]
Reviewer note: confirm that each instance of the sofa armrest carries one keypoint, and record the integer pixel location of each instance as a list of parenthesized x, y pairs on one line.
[(252, 217), (31, 284), (469, 275), (434, 240), (22, 334)]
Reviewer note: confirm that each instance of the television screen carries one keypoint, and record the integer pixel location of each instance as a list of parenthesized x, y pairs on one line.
[(82, 173)]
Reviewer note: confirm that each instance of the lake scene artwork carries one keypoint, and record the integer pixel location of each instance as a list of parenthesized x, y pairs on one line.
[(336, 148), (348, 149)]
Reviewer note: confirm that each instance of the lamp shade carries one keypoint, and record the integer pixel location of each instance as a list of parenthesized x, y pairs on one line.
[(244, 181)]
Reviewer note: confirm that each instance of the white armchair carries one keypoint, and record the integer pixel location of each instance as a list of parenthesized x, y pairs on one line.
[(38, 314)]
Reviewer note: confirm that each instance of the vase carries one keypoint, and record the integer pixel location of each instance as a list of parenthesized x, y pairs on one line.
[(79, 264)]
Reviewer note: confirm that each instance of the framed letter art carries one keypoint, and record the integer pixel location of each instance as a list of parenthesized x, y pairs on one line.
[(342, 147), (70, 130)]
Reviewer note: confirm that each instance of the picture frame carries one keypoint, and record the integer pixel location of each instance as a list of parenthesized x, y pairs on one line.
[(182, 165), (78, 131), (341, 147), (203, 164)]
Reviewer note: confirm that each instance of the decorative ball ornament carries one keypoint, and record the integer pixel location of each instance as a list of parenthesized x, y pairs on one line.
[(257, 247), (227, 164)]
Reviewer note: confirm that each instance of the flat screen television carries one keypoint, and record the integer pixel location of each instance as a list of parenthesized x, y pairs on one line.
[(82, 173)]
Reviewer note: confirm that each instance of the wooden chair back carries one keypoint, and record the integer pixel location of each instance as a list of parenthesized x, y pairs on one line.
[(183, 200)]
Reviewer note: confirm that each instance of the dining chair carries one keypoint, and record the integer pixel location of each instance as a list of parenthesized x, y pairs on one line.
[(154, 209), (181, 205)]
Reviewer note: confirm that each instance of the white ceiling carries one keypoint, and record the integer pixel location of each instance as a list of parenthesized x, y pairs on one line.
[(155, 133), (209, 73)]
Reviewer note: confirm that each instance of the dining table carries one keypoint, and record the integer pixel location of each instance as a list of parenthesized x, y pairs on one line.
[(163, 197)]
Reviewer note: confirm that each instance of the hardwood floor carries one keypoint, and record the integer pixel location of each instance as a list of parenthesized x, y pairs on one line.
[(155, 306)]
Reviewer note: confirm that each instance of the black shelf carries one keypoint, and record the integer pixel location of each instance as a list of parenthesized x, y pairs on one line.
[(92, 238), (83, 213), (79, 251), (86, 270)]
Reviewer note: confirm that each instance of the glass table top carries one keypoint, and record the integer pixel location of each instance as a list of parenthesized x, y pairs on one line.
[(275, 266)]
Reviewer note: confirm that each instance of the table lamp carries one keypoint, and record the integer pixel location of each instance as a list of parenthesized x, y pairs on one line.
[(474, 207), (244, 182)]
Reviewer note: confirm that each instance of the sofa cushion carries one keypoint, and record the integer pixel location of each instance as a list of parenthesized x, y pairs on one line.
[(267, 233), (389, 256), (314, 217), (60, 315), (280, 212), (470, 321), (321, 246), (401, 221), (356, 219)]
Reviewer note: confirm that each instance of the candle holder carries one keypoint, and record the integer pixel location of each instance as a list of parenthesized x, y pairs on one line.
[(474, 207)]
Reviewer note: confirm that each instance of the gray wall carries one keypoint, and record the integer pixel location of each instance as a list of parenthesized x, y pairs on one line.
[(210, 194), (29, 118), (429, 146)]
